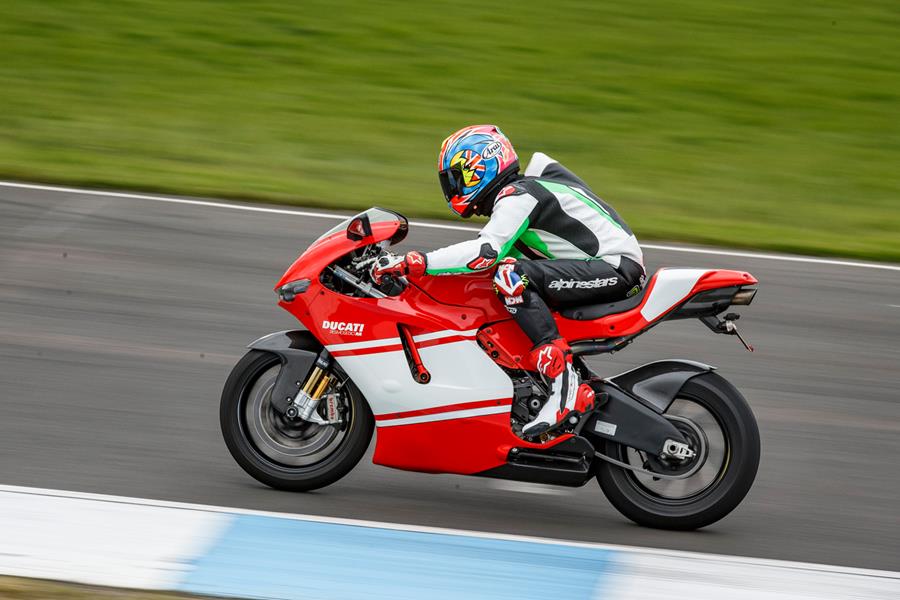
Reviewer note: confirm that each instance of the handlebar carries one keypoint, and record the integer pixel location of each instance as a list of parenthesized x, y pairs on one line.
[(363, 286)]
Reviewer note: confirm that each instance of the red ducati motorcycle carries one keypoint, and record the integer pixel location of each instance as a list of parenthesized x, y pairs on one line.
[(440, 368)]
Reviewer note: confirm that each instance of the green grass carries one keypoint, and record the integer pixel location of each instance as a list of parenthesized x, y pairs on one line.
[(756, 123), (14, 588)]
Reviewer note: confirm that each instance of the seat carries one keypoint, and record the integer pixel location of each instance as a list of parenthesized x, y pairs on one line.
[(590, 312)]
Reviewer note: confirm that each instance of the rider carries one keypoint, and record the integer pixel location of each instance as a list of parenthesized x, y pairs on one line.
[(581, 250)]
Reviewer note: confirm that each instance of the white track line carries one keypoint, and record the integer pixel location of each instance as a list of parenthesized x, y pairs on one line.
[(12, 489), (447, 226)]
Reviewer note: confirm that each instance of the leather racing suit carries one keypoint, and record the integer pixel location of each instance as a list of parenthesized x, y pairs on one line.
[(585, 252)]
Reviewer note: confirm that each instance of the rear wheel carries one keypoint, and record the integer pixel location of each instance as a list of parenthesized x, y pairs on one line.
[(720, 428), (290, 454)]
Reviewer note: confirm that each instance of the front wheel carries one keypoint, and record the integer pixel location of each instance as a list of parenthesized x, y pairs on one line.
[(290, 454), (721, 429)]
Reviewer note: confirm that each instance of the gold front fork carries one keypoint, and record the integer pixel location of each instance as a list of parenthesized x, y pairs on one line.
[(308, 399), (314, 379)]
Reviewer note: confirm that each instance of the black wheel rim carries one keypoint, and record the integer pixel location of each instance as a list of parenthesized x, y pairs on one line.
[(287, 444), (705, 479)]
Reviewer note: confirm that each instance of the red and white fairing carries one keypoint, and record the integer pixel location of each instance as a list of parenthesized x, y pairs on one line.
[(459, 422)]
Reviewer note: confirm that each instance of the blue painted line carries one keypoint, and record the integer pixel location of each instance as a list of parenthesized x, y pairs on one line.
[(276, 558)]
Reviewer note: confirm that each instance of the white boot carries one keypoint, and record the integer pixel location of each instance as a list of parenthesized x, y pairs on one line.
[(563, 392)]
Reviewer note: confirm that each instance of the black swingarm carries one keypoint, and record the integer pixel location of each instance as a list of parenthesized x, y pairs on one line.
[(624, 418), (630, 405)]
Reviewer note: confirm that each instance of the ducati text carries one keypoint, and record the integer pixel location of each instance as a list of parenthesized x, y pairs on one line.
[(343, 327)]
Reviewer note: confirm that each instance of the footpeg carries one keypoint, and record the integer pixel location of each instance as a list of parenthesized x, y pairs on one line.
[(568, 423)]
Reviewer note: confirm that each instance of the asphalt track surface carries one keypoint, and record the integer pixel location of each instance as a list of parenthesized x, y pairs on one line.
[(120, 319)]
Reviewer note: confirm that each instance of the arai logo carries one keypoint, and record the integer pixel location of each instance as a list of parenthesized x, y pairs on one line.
[(343, 327), (491, 150)]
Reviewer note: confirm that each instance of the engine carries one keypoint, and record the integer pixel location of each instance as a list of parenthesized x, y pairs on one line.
[(528, 397)]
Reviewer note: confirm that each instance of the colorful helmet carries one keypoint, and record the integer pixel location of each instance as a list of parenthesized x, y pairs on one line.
[(472, 164)]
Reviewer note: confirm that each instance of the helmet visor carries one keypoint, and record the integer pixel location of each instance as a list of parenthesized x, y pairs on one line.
[(452, 182)]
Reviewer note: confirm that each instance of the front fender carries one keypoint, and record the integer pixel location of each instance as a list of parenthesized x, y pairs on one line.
[(298, 350), (298, 339), (658, 383)]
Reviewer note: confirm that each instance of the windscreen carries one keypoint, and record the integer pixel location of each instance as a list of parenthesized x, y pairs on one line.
[(376, 215)]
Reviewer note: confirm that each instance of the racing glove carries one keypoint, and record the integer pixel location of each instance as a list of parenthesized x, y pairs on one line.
[(413, 264)]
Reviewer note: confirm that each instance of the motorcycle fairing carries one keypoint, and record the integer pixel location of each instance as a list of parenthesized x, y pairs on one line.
[(459, 422), (335, 244), (666, 290), (461, 373)]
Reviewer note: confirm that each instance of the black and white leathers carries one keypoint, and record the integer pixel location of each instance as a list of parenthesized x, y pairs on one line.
[(552, 212)]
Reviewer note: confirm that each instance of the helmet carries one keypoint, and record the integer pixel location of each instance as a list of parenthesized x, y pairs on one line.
[(472, 165)]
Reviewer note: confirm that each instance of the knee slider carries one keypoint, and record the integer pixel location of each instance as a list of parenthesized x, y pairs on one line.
[(509, 284)]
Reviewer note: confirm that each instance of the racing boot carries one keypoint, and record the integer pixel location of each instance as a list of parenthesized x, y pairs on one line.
[(554, 361)]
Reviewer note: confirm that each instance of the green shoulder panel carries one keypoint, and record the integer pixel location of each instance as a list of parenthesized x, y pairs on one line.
[(560, 188), (533, 240)]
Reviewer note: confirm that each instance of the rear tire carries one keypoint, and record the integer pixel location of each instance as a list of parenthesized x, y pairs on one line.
[(655, 502), (294, 456)]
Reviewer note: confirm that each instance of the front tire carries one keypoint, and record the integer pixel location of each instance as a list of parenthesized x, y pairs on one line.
[(296, 456), (717, 417)]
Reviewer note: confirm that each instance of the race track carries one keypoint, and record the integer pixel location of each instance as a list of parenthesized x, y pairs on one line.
[(120, 319)]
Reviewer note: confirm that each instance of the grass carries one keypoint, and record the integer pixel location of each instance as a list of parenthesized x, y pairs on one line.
[(754, 123), (14, 588)]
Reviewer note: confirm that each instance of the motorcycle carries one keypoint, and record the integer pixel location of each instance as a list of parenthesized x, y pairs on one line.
[(439, 367)]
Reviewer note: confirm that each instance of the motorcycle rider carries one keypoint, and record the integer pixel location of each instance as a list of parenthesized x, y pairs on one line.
[(581, 250)]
